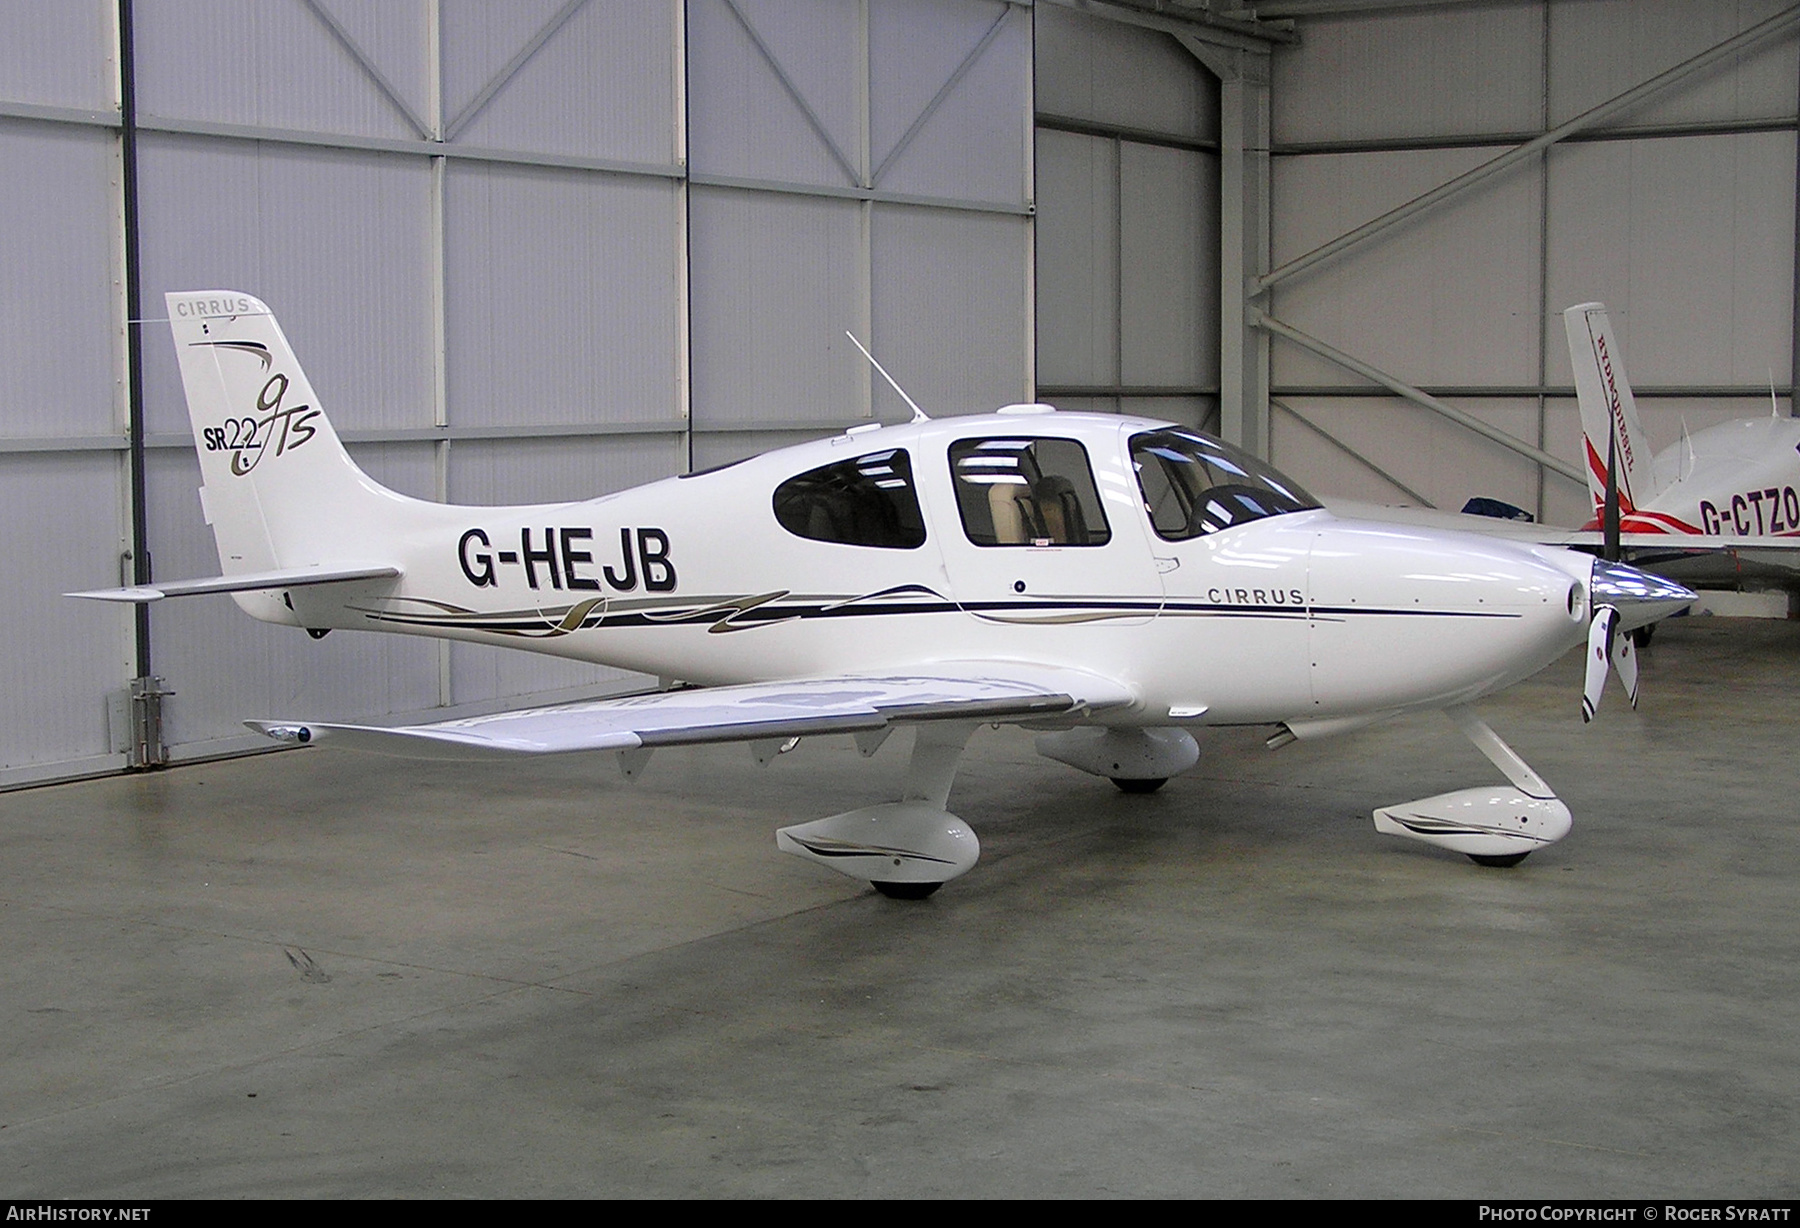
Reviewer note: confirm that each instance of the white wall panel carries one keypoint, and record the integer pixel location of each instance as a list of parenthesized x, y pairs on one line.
[(1170, 265), (1689, 243), (1417, 74), (1202, 412), (723, 447), (61, 368), (602, 85), (972, 146), (1450, 298), (1443, 461), (1601, 48), (776, 281), (409, 467), (60, 322), (744, 121), (480, 674), (65, 532), (336, 243), (1090, 68), (1077, 259), (949, 309), (564, 297), (505, 471), (59, 54), (276, 64)]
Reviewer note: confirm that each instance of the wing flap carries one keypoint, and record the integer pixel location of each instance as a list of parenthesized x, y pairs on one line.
[(735, 713)]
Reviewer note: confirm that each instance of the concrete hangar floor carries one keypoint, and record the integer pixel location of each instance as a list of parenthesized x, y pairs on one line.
[(323, 974)]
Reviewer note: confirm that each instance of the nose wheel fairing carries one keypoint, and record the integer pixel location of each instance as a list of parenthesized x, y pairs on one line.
[(1495, 825)]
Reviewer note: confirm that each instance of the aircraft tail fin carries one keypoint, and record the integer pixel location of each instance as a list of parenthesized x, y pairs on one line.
[(279, 490), (1608, 410)]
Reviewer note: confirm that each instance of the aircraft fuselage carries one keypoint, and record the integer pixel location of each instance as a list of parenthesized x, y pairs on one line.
[(795, 564)]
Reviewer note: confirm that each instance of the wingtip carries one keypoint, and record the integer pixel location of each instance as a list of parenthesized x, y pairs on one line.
[(135, 595)]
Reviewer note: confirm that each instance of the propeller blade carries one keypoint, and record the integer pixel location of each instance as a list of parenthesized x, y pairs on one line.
[(1600, 642), (1624, 659)]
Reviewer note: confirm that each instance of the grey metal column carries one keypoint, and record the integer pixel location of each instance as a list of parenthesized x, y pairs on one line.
[(1243, 237)]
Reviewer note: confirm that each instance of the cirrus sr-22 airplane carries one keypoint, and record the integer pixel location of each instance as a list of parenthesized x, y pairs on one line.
[(1111, 582)]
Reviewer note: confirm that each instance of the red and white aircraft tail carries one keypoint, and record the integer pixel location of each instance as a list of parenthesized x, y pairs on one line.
[(1609, 417)]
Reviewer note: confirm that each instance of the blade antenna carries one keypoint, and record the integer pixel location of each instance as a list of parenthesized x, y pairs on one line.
[(919, 415)]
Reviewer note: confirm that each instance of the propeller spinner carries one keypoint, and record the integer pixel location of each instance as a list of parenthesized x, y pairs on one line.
[(1623, 599)]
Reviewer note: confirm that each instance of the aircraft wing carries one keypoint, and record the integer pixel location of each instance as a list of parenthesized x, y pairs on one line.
[(975, 691)]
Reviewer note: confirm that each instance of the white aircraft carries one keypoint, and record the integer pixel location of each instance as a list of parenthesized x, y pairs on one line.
[(1733, 488), (1111, 582)]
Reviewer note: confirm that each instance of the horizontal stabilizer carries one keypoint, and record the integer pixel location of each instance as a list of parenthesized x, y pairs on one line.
[(734, 713), (248, 582)]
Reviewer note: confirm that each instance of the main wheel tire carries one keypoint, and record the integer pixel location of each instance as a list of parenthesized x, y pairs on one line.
[(1139, 786), (906, 891), (1498, 861)]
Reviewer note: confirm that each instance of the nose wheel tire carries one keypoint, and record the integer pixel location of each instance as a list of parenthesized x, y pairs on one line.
[(906, 891), (1498, 861), (1139, 786)]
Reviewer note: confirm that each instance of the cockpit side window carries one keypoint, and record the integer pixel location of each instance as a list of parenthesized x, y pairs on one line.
[(867, 501), (1027, 492), (1194, 484)]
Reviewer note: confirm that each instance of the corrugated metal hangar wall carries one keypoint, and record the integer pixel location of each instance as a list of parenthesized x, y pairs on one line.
[(539, 251), (1677, 212), (526, 252)]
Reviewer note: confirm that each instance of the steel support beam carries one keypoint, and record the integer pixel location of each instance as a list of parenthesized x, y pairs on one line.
[(1240, 31), (1269, 10), (845, 163), (937, 99), (1417, 397), (1522, 153), (1243, 237), (136, 423), (368, 65), (500, 79)]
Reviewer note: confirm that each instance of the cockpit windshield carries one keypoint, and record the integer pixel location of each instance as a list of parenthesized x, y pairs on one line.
[(1194, 484)]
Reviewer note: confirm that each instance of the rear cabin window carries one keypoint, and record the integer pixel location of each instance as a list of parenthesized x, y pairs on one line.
[(868, 501), (1027, 492)]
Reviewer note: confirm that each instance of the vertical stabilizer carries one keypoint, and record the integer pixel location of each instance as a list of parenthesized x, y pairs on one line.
[(1607, 408), (279, 489)]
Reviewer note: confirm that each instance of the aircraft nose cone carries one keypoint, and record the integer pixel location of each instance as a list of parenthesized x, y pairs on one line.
[(1639, 597)]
